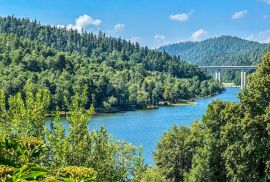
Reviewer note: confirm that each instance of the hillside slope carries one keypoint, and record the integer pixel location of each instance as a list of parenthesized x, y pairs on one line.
[(224, 50), (118, 74)]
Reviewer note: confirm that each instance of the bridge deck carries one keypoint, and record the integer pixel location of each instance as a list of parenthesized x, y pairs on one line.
[(230, 67)]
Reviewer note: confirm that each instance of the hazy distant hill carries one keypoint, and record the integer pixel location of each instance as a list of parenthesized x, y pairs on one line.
[(224, 50)]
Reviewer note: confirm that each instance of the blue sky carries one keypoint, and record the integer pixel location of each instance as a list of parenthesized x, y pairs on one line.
[(152, 22)]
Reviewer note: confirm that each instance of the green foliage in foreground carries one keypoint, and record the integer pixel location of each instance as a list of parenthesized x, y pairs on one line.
[(231, 143), (152, 174), (119, 74), (30, 151)]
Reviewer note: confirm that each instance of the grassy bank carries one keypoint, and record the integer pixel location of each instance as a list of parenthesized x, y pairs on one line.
[(227, 84), (183, 103)]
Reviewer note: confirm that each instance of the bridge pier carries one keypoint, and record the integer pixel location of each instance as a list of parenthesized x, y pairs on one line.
[(244, 70), (243, 78), (218, 75)]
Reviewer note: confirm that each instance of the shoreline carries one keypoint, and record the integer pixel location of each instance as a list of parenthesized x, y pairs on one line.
[(150, 107), (162, 104), (168, 104)]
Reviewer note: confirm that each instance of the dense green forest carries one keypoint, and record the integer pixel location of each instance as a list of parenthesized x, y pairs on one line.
[(40, 75), (224, 50), (117, 73), (231, 143)]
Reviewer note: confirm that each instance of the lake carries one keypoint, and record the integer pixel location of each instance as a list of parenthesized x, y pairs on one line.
[(145, 127)]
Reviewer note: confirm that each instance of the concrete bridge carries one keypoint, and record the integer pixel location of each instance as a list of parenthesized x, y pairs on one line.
[(244, 70)]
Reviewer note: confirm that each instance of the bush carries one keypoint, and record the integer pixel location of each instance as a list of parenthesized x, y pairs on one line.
[(78, 173)]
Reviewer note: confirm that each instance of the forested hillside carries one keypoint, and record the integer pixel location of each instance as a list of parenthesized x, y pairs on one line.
[(116, 72), (224, 50)]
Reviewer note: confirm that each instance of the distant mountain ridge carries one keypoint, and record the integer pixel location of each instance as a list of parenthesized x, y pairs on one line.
[(224, 50)]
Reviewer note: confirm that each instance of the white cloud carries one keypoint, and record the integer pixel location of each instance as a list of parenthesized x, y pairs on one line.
[(135, 39), (70, 26), (199, 35), (160, 39), (181, 16), (85, 21), (60, 26), (119, 27), (239, 14), (82, 23), (263, 36)]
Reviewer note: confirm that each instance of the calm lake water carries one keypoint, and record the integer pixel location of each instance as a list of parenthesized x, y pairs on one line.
[(145, 127)]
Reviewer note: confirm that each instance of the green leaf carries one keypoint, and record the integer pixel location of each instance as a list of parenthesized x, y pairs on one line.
[(69, 180), (34, 175)]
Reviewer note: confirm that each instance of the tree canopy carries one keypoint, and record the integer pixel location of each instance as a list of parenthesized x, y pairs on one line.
[(31, 150), (118, 73), (231, 143)]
